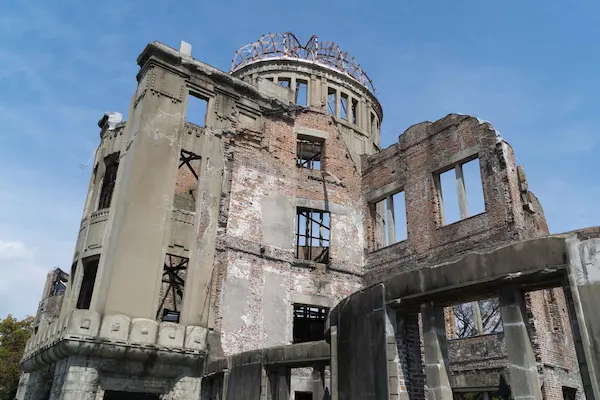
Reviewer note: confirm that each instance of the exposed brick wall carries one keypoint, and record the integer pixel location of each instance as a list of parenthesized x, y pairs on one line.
[(253, 279), (512, 212)]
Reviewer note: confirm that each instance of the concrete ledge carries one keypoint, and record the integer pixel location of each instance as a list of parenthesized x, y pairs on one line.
[(86, 332), (293, 355)]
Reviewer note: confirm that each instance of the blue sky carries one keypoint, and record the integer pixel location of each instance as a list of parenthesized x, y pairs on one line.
[(531, 68)]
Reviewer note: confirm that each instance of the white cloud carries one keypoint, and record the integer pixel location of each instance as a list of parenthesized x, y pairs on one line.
[(22, 279)]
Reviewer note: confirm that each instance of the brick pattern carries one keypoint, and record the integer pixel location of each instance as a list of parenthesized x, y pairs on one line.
[(512, 213)]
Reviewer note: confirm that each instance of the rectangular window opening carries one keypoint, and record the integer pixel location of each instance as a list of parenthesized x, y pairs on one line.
[(569, 393), (303, 395), (309, 323), (197, 109), (354, 111), (476, 318), (312, 235), (301, 92), (309, 153), (90, 269), (331, 95), (270, 79), (390, 220), (186, 185), (284, 82), (172, 288), (344, 106), (108, 181), (460, 192)]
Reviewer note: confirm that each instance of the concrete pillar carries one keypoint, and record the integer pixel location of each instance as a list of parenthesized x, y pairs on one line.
[(318, 382), (391, 222), (349, 112), (462, 193), (337, 102), (133, 257), (334, 363), (583, 300), (283, 384), (436, 353), (314, 92), (477, 317), (524, 380)]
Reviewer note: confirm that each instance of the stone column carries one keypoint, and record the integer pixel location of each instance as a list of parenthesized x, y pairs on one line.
[(283, 384), (436, 353), (524, 380), (583, 297), (391, 222), (318, 382), (334, 363)]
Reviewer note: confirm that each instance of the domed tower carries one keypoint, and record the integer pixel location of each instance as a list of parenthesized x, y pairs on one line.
[(226, 215), (320, 76)]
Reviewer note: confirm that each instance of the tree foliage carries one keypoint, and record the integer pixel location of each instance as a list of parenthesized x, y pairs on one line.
[(13, 336), (464, 318)]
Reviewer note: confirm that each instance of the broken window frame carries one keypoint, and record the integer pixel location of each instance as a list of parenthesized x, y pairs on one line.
[(344, 100), (332, 101), (109, 180), (284, 82), (301, 83), (387, 236), (354, 111), (306, 233), (308, 323), (461, 190), (175, 288), (314, 162), (86, 290)]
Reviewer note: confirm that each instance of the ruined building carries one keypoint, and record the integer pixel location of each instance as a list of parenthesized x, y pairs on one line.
[(244, 236)]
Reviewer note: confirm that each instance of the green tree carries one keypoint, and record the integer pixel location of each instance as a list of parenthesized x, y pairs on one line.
[(13, 336)]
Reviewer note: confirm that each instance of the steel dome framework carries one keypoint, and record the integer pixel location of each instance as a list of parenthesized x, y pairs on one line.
[(287, 46)]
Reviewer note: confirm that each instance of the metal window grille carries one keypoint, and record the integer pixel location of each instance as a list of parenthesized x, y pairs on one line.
[(309, 323), (171, 293), (309, 154), (312, 235)]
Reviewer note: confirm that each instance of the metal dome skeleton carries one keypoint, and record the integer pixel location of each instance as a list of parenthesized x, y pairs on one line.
[(287, 46)]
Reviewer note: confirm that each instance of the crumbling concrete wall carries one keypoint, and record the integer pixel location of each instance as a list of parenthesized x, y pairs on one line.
[(259, 275), (512, 212)]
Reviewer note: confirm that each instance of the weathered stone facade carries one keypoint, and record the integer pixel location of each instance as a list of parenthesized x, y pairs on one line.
[(201, 243)]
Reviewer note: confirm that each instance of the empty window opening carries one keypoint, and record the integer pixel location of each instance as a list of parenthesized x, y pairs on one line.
[(569, 393), (477, 318), (460, 192), (90, 268), (284, 82), (118, 395), (354, 111), (301, 92), (344, 106), (390, 220), (270, 79), (309, 323), (111, 164), (303, 395), (196, 111), (186, 185), (171, 290), (331, 100), (312, 235), (309, 153)]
